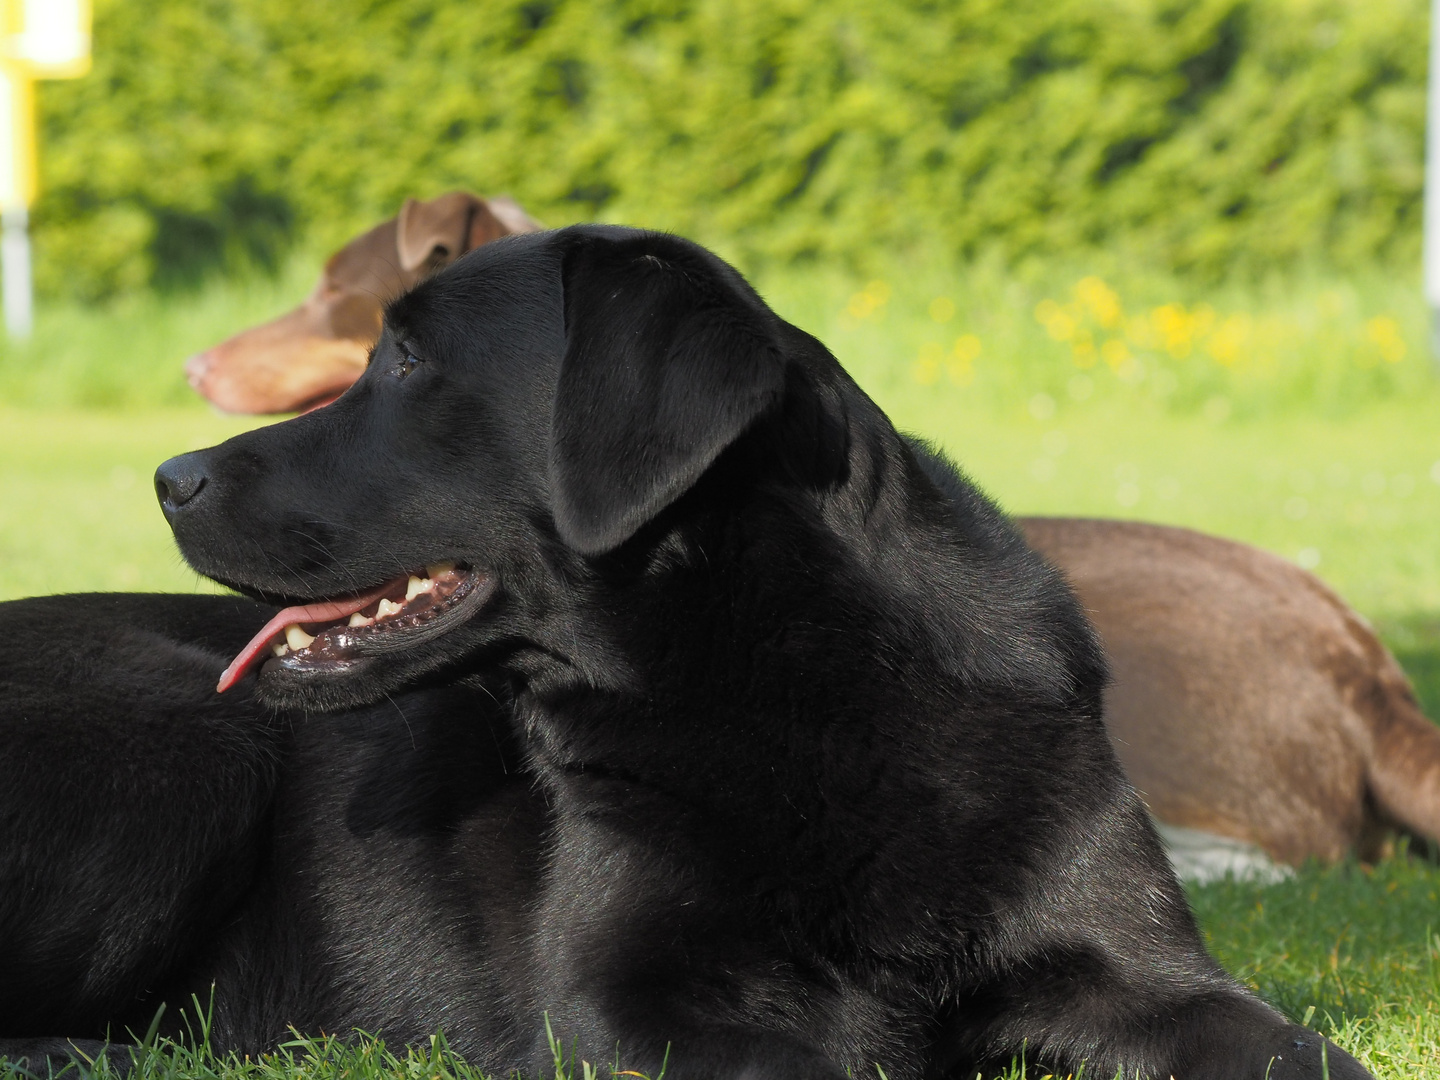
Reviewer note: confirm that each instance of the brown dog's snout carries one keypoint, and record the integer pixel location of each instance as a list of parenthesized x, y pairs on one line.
[(178, 481), (198, 367)]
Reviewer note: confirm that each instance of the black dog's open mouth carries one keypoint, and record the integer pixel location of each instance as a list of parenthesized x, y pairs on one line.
[(329, 635)]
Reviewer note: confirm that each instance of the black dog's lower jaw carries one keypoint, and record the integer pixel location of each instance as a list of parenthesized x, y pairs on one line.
[(331, 641), (761, 755)]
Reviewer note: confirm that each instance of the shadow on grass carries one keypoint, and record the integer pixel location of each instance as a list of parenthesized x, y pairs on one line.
[(1415, 641)]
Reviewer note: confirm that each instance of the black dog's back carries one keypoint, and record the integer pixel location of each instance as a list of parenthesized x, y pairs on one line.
[(134, 801), (176, 840)]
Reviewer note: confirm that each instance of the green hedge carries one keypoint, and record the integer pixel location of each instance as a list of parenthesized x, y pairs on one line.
[(1205, 137)]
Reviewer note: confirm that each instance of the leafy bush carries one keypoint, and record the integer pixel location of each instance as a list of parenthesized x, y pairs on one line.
[(1203, 136)]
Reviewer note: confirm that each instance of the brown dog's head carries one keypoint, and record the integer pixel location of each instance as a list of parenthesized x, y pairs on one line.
[(310, 355)]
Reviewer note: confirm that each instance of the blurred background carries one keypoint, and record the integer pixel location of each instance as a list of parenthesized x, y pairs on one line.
[(1156, 259), (1142, 258), (1134, 258), (1139, 258)]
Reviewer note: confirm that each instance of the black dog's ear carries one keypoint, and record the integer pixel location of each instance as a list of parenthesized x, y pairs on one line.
[(669, 358)]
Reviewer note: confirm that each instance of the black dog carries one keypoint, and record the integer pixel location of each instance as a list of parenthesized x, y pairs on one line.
[(745, 742)]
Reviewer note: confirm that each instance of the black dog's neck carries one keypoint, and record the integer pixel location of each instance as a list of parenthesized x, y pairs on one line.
[(742, 614)]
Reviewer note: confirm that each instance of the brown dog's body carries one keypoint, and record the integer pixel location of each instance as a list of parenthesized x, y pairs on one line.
[(1247, 699), (1249, 702)]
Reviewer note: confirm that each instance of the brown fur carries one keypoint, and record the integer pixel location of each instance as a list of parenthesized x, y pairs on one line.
[(308, 356), (1247, 699)]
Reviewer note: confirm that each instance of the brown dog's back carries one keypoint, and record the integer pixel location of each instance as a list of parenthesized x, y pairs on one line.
[(1247, 699)]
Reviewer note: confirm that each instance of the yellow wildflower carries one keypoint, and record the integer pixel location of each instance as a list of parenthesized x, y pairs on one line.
[(869, 300), (1228, 339), (1102, 301), (962, 359), (1384, 332), (1175, 328), (1114, 353), (927, 365)]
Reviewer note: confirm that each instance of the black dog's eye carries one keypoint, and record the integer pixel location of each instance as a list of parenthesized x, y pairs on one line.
[(407, 363)]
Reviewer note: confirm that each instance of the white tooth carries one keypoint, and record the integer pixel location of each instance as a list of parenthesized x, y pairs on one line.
[(415, 586), (360, 620), (279, 648), (439, 568), (387, 607), (296, 638)]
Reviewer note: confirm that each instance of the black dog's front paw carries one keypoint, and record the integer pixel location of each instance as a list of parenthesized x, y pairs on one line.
[(1308, 1056)]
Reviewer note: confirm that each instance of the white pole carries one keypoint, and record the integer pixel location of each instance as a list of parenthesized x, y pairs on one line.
[(1432, 182), (14, 194), (51, 41), (15, 271)]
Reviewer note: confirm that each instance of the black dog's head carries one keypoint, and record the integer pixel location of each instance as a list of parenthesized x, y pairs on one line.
[(524, 415)]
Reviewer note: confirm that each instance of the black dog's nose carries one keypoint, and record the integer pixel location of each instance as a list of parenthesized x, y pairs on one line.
[(178, 481)]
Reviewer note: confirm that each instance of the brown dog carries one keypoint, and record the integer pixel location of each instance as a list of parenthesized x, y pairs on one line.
[(310, 355), (1248, 701)]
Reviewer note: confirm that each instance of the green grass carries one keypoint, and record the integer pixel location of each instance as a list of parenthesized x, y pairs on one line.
[(1326, 454), (77, 503), (1358, 945), (129, 354)]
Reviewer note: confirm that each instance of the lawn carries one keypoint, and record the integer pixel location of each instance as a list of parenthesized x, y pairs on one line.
[(1299, 415)]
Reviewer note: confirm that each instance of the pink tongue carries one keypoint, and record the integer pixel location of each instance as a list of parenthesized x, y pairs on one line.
[(304, 613)]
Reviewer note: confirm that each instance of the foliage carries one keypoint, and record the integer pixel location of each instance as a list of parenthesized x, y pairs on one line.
[(1204, 136)]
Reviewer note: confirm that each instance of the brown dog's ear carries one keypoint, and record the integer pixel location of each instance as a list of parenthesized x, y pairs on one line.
[(436, 232), (502, 216), (669, 358)]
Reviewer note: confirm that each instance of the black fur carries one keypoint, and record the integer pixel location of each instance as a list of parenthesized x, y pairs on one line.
[(761, 747)]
